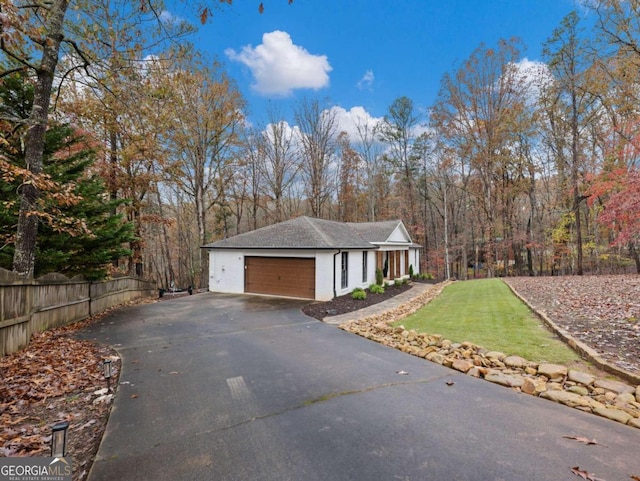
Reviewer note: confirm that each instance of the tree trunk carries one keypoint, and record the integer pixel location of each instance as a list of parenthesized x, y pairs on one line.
[(164, 245), (25, 246), (635, 256)]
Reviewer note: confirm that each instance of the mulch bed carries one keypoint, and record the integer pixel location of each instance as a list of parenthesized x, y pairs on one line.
[(343, 304)]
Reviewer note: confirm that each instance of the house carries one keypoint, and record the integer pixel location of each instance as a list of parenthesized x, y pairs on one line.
[(311, 258)]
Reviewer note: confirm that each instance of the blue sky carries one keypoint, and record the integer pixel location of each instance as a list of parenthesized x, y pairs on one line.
[(358, 53)]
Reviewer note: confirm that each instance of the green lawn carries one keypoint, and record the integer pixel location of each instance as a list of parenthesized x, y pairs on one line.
[(488, 314)]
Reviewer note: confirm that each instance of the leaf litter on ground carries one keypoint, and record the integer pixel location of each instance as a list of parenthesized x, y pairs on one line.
[(587, 441), (57, 377), (601, 311), (584, 474)]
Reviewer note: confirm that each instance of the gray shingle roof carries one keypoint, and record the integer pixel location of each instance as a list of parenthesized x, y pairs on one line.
[(305, 233), (375, 231)]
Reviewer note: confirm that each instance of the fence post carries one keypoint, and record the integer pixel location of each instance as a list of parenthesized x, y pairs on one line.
[(90, 299)]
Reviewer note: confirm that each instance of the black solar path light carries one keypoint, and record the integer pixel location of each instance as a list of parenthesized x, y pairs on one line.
[(59, 439), (106, 370)]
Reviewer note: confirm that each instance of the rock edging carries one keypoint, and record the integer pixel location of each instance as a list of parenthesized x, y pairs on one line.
[(614, 400)]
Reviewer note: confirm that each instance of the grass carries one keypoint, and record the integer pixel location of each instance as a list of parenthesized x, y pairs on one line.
[(488, 314)]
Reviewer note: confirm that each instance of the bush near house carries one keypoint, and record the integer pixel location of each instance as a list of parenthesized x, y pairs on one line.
[(423, 276), (359, 294), (379, 277)]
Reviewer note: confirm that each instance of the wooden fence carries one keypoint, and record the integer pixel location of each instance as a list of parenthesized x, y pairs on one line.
[(33, 305)]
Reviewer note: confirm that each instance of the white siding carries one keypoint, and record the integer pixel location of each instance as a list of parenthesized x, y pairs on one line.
[(371, 268), (414, 260), (226, 271), (355, 271), (324, 274)]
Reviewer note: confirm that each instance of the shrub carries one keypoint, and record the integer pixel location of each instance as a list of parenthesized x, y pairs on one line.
[(379, 277), (411, 271), (424, 276), (376, 289), (359, 294), (386, 284)]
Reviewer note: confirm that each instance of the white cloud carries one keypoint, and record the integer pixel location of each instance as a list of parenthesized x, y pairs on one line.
[(366, 82), (278, 66), (166, 17), (286, 130), (349, 120), (535, 76)]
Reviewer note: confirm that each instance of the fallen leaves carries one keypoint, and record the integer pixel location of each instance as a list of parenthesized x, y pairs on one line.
[(601, 311), (53, 365), (53, 379), (584, 475), (588, 442)]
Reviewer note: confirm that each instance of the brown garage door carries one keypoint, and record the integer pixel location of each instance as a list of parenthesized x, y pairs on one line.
[(280, 276)]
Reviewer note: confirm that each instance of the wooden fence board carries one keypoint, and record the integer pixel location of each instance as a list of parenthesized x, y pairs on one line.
[(34, 305)]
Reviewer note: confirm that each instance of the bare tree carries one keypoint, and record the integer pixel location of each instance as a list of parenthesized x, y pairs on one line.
[(318, 132), (280, 163), (369, 150)]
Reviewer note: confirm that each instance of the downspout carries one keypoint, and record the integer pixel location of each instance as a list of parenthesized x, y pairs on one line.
[(335, 293)]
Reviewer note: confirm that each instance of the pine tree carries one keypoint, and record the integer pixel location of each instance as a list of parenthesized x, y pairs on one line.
[(78, 232)]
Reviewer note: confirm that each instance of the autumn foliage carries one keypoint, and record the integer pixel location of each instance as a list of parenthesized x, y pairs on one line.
[(619, 191)]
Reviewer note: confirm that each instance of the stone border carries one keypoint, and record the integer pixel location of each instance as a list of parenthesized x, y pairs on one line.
[(581, 348)]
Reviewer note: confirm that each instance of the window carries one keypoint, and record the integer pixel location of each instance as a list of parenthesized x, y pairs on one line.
[(364, 266), (344, 270)]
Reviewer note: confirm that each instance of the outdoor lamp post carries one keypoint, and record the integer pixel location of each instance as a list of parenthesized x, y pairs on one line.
[(59, 439), (106, 370)]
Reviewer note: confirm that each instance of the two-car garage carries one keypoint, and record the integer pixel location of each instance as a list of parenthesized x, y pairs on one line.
[(280, 276)]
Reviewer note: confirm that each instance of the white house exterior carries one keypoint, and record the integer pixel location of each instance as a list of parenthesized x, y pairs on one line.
[(311, 258)]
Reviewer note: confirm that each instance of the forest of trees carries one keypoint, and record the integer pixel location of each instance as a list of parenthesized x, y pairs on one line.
[(122, 149)]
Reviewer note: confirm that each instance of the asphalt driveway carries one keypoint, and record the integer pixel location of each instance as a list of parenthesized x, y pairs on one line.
[(221, 387)]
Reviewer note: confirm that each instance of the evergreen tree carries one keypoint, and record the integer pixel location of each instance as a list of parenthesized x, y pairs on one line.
[(79, 234)]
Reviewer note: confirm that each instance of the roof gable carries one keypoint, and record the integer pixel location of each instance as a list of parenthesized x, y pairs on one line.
[(400, 234)]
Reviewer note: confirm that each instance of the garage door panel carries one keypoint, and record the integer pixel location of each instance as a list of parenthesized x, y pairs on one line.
[(281, 276)]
